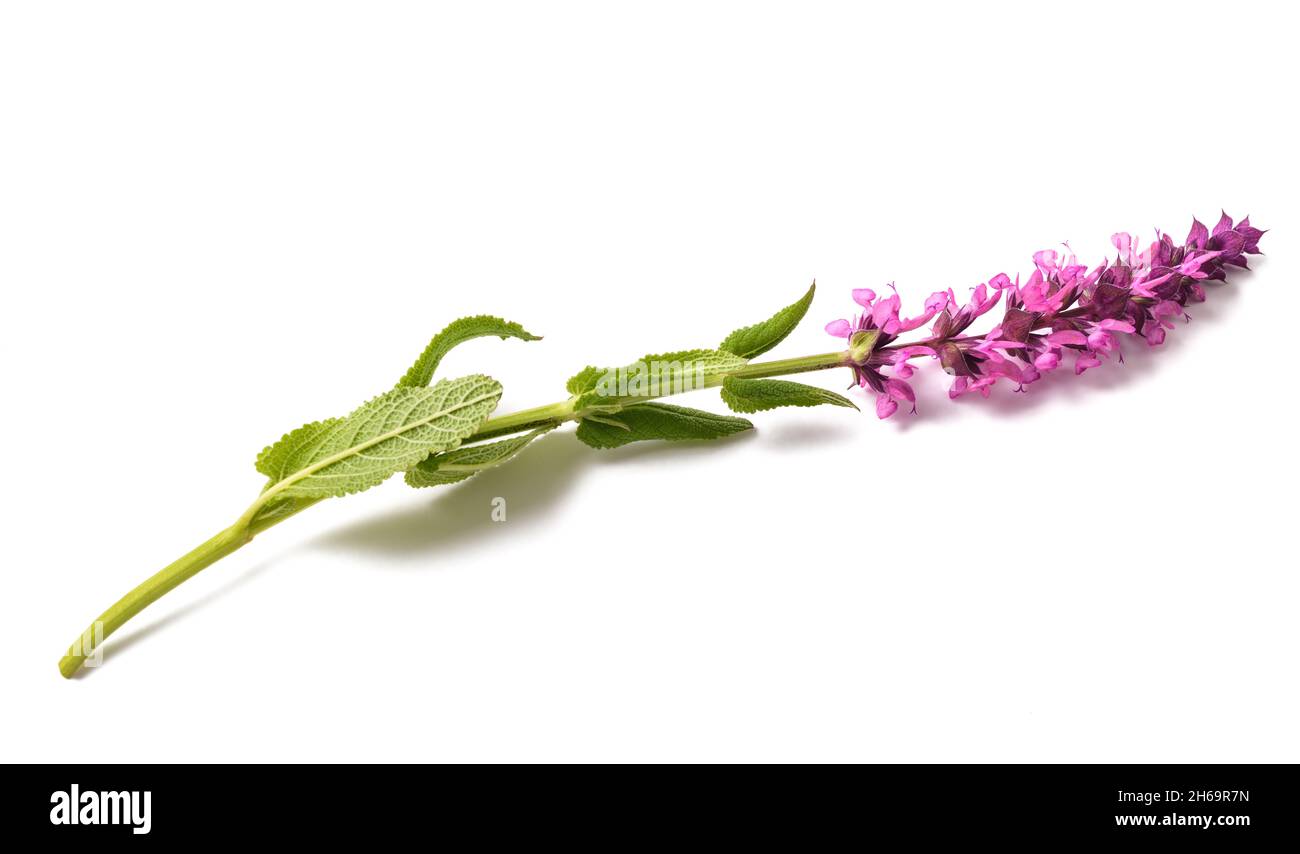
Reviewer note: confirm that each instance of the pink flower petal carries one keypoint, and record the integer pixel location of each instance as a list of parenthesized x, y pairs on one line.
[(1068, 336), (906, 353), (898, 388), (1166, 308), (941, 300), (986, 346), (915, 322), (1047, 361), (885, 311), (840, 328), (1124, 243), (1084, 362)]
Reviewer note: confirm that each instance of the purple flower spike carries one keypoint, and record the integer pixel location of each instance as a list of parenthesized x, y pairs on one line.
[(1061, 310)]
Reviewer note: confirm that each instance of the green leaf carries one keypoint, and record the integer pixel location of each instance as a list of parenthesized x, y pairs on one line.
[(644, 421), (278, 461), (755, 340), (463, 463), (584, 380), (458, 332), (655, 375), (390, 433), (709, 359), (744, 395)]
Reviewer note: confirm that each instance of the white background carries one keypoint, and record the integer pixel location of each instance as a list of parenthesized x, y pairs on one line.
[(220, 220)]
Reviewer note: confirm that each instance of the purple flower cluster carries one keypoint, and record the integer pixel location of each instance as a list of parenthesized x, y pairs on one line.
[(1063, 308)]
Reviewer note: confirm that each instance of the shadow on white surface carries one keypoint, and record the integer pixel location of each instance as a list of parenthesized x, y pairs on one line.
[(458, 516), (794, 436), (534, 485)]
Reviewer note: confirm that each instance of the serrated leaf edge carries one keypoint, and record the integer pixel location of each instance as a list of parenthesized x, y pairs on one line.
[(310, 470)]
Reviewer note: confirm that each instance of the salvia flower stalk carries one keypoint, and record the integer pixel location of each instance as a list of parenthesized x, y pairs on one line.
[(444, 432), (1062, 308)]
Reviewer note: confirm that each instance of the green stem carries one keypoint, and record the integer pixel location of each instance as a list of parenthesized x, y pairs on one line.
[(260, 517), (558, 413), (224, 543), (524, 420), (786, 367)]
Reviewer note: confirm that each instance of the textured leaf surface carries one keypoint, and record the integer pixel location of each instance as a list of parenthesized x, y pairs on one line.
[(711, 360), (645, 421), (744, 395), (458, 332), (652, 376), (755, 340), (390, 433), (462, 463), (280, 460)]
